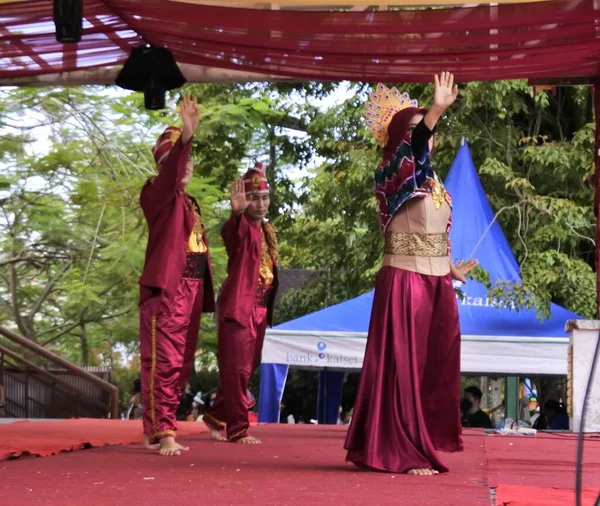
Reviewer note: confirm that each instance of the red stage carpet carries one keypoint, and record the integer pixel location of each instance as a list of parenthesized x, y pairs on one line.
[(540, 470), (519, 495), (295, 465), (48, 437)]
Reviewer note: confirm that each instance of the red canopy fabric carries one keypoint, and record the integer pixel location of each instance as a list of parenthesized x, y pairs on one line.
[(559, 38)]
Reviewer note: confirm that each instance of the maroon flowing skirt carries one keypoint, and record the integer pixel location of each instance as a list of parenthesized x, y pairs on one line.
[(408, 399)]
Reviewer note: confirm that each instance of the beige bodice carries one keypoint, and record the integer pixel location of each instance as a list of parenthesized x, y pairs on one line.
[(420, 216)]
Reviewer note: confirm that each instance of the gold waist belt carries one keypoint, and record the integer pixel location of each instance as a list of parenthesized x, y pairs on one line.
[(416, 245)]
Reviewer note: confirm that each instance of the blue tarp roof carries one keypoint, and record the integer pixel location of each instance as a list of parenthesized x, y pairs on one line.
[(472, 236)]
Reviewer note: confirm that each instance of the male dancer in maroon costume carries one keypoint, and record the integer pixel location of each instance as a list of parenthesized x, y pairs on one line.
[(245, 303), (176, 284)]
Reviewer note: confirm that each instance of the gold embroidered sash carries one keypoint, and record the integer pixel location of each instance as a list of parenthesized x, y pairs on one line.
[(416, 245)]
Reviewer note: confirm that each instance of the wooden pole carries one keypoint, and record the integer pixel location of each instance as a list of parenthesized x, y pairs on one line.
[(597, 185), (329, 3)]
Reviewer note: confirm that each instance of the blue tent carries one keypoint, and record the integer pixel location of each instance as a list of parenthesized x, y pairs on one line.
[(495, 339)]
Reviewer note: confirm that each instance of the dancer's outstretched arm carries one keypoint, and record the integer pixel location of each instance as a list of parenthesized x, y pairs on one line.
[(444, 95), (173, 170)]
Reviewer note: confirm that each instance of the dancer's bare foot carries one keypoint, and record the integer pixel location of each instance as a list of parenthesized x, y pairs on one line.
[(215, 435), (248, 440), (149, 446), (422, 472), (169, 447)]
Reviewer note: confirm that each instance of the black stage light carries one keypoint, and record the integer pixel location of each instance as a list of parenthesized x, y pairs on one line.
[(152, 70), (68, 19)]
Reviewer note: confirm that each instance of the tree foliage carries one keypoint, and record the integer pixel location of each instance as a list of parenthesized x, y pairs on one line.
[(535, 158), (74, 159)]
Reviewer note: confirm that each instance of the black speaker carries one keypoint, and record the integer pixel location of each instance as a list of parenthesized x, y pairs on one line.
[(154, 95), (68, 20), (152, 70)]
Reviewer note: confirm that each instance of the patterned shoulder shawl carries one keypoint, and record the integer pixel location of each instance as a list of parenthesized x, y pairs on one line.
[(401, 178)]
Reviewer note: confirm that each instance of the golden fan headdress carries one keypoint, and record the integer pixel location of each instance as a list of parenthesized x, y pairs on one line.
[(383, 103)]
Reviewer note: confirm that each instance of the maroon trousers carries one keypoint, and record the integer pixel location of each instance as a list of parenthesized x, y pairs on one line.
[(240, 348), (169, 327), (408, 399)]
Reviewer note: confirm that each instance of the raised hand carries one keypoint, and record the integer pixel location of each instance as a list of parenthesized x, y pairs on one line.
[(190, 116), (239, 201), (460, 271), (445, 91)]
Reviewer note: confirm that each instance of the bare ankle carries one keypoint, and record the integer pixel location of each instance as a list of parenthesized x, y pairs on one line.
[(150, 446), (215, 435), (249, 440), (169, 447), (422, 472)]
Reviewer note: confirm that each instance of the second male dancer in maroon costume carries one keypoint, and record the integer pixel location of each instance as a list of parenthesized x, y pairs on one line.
[(245, 305)]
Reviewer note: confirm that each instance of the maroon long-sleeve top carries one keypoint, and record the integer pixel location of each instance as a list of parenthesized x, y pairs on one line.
[(243, 241), (169, 213)]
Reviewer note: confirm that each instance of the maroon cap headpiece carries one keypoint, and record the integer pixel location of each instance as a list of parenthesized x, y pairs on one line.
[(165, 143), (255, 181)]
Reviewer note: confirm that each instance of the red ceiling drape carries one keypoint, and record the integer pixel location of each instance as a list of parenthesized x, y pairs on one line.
[(558, 38)]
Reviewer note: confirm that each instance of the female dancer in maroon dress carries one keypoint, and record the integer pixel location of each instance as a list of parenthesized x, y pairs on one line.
[(408, 400)]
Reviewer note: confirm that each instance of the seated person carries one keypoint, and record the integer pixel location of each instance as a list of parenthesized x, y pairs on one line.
[(470, 407), (553, 417), (135, 410)]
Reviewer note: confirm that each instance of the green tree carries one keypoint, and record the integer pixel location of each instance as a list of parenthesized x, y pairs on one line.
[(535, 155), (74, 237), (74, 159)]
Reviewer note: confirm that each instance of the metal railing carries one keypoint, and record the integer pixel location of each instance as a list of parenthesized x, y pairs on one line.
[(40, 384)]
